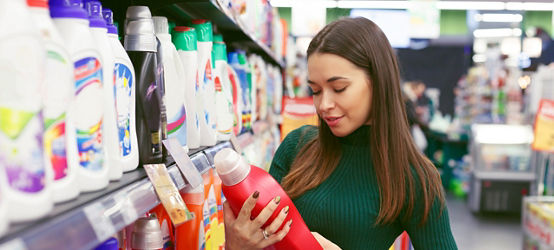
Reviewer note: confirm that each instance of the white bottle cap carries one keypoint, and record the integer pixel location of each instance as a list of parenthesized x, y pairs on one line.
[(231, 167), (160, 25)]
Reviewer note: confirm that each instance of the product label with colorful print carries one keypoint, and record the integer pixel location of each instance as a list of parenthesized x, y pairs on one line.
[(123, 86), (89, 112)]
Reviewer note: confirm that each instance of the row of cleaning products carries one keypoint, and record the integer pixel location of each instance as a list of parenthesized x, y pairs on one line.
[(78, 109)]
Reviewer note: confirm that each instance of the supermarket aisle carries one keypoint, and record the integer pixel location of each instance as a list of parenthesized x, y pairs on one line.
[(483, 232)]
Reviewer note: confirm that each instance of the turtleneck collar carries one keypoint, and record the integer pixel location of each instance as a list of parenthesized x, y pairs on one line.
[(360, 137)]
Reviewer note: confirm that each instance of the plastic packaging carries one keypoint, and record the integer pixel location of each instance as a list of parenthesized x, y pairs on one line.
[(141, 46), (60, 149), (210, 211), (174, 80), (87, 109), (26, 189), (190, 235), (125, 98), (240, 180), (185, 41), (110, 137), (223, 93), (205, 97)]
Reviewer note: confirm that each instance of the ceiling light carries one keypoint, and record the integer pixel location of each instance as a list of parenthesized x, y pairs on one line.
[(470, 5), (503, 32), (479, 58), (374, 4), (529, 6), (499, 18)]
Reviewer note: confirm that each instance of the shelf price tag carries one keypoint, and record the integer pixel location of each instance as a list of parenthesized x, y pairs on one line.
[(15, 244), (168, 193), (127, 208), (236, 144), (100, 223), (183, 161)]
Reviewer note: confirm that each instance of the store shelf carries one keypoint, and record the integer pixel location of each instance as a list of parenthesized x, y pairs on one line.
[(234, 34), (93, 217)]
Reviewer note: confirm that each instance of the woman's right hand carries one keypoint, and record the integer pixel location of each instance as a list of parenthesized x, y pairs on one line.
[(244, 233)]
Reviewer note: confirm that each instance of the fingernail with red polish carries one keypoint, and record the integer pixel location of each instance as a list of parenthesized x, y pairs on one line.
[(256, 195)]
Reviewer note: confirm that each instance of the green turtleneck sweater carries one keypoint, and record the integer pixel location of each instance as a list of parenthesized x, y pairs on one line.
[(343, 208)]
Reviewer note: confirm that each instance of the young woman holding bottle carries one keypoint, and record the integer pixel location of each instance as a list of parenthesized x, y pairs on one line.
[(357, 179)]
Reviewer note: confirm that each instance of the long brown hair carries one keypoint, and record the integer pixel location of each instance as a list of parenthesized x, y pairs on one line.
[(394, 154)]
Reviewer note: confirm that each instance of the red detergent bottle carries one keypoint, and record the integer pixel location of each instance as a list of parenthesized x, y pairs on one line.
[(240, 180)]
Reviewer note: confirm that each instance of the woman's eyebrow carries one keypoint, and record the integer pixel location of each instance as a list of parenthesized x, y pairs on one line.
[(332, 79)]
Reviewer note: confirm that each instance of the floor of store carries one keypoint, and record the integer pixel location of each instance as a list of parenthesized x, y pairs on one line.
[(483, 231)]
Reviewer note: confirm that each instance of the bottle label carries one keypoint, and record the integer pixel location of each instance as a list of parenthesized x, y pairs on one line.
[(123, 85), (21, 117), (21, 149), (177, 126), (89, 112), (58, 95), (55, 146)]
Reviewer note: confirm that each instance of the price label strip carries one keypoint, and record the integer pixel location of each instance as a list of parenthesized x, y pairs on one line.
[(168, 193), (127, 208), (100, 223), (236, 144), (183, 161)]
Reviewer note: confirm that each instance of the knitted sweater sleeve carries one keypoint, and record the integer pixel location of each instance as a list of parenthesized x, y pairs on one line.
[(435, 233)]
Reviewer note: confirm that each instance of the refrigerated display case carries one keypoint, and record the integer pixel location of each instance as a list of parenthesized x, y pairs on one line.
[(501, 170)]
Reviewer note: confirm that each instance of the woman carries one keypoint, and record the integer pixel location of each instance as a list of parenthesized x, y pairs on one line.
[(358, 180)]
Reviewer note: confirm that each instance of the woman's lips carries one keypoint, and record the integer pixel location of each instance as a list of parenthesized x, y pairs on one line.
[(333, 121)]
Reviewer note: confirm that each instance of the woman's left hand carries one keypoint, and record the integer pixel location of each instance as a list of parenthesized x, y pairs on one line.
[(325, 243)]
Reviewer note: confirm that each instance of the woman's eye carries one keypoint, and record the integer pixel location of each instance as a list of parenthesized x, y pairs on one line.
[(340, 90), (316, 92)]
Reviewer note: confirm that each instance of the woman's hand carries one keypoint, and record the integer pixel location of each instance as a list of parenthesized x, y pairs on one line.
[(244, 233), (325, 243)]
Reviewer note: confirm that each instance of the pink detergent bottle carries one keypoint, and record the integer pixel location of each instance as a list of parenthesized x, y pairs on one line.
[(240, 180)]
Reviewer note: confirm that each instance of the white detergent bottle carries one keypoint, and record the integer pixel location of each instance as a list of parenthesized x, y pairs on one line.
[(88, 107), (185, 41), (110, 138), (223, 93), (26, 190), (174, 79), (125, 103), (60, 151), (206, 95)]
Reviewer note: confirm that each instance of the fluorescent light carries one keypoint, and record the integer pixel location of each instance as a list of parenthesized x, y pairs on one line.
[(503, 32), (529, 6), (291, 3), (470, 5), (479, 58), (442, 5), (498, 18), (374, 4), (532, 46)]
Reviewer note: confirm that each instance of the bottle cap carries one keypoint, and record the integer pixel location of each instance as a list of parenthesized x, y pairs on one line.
[(220, 51), (231, 167), (138, 12), (218, 38), (108, 17), (94, 10), (160, 25), (184, 38), (204, 30), (139, 36), (147, 234), (38, 3), (109, 244), (67, 9)]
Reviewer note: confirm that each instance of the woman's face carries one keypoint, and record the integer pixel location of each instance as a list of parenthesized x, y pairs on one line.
[(342, 93)]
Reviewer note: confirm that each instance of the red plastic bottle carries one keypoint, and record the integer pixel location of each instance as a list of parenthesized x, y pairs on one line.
[(240, 180)]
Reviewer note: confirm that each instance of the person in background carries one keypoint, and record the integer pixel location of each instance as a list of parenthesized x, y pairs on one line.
[(357, 179)]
